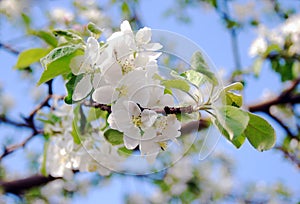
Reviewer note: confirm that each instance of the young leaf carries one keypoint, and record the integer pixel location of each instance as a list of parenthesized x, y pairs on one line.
[(44, 162), (233, 120), (70, 36), (233, 99), (96, 113), (70, 85), (176, 84), (57, 62), (30, 56), (75, 126), (237, 141), (236, 86), (114, 137), (46, 36), (75, 132), (198, 63), (260, 133), (194, 77), (93, 28)]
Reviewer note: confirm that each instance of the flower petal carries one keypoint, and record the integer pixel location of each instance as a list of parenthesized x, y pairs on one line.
[(148, 118), (130, 143), (133, 108), (82, 88), (104, 94), (143, 36)]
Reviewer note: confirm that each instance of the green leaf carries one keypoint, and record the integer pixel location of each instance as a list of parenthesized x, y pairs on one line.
[(260, 133), (257, 66), (96, 113), (237, 141), (198, 63), (194, 77), (229, 97), (69, 35), (125, 9), (46, 36), (30, 56), (114, 137), (43, 166), (57, 62), (176, 84), (76, 129), (75, 132), (27, 21), (70, 85), (93, 28), (237, 86), (233, 120), (124, 151), (233, 99), (271, 49)]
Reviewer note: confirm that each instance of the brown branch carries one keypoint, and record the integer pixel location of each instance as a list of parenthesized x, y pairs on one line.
[(97, 105), (286, 128), (194, 126), (289, 155), (13, 148), (21, 185), (9, 48), (6, 120), (285, 97)]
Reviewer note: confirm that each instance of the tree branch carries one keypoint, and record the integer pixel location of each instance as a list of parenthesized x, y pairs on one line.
[(9, 49), (13, 148), (285, 97), (6, 120), (19, 186), (289, 155)]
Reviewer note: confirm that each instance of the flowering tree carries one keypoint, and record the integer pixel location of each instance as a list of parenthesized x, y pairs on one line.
[(133, 104)]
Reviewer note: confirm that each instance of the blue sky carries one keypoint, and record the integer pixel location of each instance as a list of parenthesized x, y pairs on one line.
[(206, 31)]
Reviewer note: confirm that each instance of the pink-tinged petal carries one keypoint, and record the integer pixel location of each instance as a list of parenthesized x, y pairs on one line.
[(104, 94), (143, 36), (148, 118), (130, 143), (82, 88)]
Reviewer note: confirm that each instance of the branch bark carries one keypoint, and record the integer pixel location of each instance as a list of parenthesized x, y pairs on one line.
[(21, 185)]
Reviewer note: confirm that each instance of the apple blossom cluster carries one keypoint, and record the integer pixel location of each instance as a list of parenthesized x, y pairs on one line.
[(286, 34), (63, 155), (121, 74)]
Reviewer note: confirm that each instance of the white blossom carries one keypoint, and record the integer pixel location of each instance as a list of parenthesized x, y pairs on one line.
[(61, 16), (87, 65)]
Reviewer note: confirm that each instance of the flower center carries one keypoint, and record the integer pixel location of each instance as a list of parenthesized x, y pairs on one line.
[(127, 66), (123, 90), (137, 120)]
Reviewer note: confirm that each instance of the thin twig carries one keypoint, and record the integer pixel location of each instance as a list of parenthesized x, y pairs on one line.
[(15, 147), (289, 155), (9, 49)]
